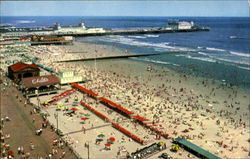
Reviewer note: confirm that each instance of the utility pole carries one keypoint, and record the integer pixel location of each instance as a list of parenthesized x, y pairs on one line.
[(88, 150)]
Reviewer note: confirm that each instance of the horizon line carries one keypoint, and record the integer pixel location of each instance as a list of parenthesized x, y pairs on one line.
[(110, 16)]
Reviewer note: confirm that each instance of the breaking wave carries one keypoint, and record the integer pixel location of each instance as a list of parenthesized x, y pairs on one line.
[(240, 54), (245, 68), (214, 49), (163, 46), (233, 61), (154, 61), (144, 36), (25, 21), (152, 36), (138, 37), (237, 37), (207, 59)]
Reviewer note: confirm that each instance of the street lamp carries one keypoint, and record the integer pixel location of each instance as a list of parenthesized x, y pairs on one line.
[(36, 92), (56, 117), (87, 146), (95, 62)]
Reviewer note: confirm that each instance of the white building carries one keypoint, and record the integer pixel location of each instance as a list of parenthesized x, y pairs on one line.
[(80, 29), (67, 76), (185, 25)]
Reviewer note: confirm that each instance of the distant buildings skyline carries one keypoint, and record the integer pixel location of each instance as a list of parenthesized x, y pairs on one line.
[(211, 8)]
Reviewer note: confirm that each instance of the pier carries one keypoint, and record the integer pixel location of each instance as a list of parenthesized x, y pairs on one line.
[(131, 31), (110, 57), (83, 31), (138, 31)]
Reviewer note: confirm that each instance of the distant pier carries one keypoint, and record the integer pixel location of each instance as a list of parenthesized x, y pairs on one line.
[(132, 32), (82, 30)]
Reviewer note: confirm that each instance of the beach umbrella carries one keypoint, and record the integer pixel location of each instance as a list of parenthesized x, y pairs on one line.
[(45, 102), (107, 145), (83, 118), (10, 153), (70, 111), (59, 106), (99, 139), (86, 115), (101, 135), (112, 139), (175, 147), (66, 108), (76, 98), (74, 109)]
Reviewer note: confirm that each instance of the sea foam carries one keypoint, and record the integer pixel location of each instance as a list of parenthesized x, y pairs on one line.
[(25, 21), (163, 46), (152, 36), (240, 54), (215, 49), (138, 37)]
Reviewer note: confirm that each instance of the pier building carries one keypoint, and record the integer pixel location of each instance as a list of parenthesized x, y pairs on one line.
[(68, 76), (20, 70)]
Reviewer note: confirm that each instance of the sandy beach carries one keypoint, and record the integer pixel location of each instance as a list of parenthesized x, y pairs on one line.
[(204, 111)]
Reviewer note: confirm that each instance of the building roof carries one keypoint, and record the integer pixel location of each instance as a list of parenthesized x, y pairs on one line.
[(39, 81), (195, 148), (19, 66)]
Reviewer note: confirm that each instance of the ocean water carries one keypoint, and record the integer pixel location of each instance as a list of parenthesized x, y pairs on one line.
[(223, 53)]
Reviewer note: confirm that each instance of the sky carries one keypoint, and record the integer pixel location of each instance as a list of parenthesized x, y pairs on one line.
[(220, 8)]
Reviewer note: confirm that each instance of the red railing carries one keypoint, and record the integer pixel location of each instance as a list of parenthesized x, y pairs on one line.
[(109, 102), (145, 121), (84, 90), (151, 127), (138, 117), (61, 96), (95, 111), (126, 132), (114, 105)]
